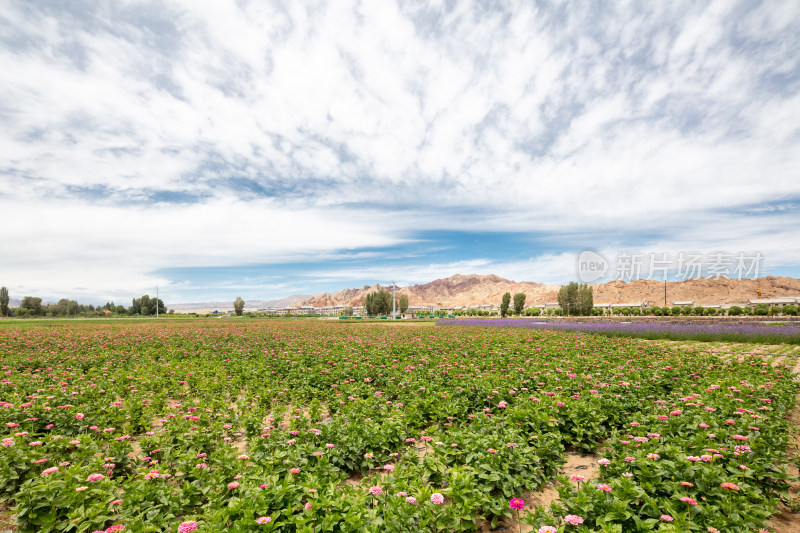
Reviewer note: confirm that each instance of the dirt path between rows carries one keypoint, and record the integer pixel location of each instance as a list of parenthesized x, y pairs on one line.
[(786, 521), (583, 464)]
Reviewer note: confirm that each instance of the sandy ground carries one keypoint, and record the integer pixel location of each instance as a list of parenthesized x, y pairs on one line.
[(786, 521), (584, 464)]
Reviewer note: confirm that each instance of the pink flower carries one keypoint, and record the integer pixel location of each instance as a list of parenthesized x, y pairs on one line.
[(411, 499), (604, 462), (307, 506), (79, 416), (263, 520), (186, 527), (233, 485), (604, 487), (575, 520), (740, 437), (690, 501), (294, 470), (118, 527), (375, 491), (547, 529), (437, 498), (730, 486), (48, 471), (116, 502), (94, 478), (630, 459), (578, 477), (653, 456), (516, 503), (81, 489), (666, 518)]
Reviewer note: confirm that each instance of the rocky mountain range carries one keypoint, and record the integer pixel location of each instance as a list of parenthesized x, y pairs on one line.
[(473, 289)]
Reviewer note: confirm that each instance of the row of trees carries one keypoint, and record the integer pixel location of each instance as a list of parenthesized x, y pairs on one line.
[(380, 303), (519, 303), (33, 306), (757, 310), (576, 300)]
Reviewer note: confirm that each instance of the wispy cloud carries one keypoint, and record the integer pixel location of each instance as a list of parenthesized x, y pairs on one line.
[(139, 137)]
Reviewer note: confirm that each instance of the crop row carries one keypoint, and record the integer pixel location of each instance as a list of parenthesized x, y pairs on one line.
[(266, 426)]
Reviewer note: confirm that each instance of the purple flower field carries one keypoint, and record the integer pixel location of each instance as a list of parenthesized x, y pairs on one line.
[(757, 333)]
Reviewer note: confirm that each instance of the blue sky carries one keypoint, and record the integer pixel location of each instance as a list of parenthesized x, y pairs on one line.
[(261, 149)]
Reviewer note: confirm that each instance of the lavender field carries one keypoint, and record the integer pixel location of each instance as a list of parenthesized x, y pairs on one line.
[(756, 333)]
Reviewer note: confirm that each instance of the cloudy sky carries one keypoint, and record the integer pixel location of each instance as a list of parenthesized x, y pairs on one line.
[(267, 148)]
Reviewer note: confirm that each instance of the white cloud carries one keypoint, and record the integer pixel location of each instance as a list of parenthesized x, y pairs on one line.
[(554, 120)]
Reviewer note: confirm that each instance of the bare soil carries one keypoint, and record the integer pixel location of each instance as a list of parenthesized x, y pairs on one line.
[(584, 464), (786, 521), (7, 518)]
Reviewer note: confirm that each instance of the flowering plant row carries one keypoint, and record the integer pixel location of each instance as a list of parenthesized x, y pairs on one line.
[(302, 426)]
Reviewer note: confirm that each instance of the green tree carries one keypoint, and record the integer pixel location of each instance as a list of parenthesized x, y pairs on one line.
[(4, 301), (378, 303), (519, 302), (32, 304), (504, 304), (147, 306), (586, 298), (575, 299), (403, 303), (568, 298), (238, 306)]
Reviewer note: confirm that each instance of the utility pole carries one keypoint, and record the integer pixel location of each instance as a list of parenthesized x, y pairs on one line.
[(156, 301), (393, 299)]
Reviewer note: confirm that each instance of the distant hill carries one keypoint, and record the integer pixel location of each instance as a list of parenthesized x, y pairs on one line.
[(473, 289), (249, 305)]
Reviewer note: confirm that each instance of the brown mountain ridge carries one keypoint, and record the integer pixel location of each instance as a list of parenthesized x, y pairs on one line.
[(474, 289)]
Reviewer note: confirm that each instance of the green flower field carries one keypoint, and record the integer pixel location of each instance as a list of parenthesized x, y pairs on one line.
[(317, 426)]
